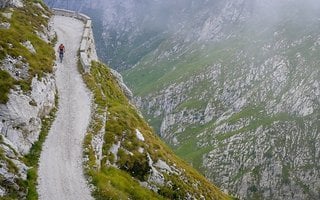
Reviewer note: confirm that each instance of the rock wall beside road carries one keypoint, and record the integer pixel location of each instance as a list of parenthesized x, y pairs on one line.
[(20, 117)]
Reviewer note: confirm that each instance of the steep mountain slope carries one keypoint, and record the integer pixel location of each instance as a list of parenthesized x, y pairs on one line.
[(231, 85), (125, 159), (27, 94), (241, 100)]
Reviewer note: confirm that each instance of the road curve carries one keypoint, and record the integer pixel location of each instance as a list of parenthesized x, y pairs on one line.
[(60, 168)]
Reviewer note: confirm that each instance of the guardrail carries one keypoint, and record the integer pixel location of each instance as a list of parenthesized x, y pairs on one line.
[(87, 45)]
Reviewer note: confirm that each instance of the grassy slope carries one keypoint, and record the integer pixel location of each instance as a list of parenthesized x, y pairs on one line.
[(152, 74), (123, 119), (24, 22)]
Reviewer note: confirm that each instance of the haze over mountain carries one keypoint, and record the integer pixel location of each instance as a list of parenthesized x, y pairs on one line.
[(67, 122), (232, 85)]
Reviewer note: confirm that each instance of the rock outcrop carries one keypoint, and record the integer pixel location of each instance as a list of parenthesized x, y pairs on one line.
[(20, 117), (31, 94), (11, 3)]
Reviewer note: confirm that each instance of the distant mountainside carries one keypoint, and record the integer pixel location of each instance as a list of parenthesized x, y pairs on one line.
[(236, 93), (124, 159), (232, 85)]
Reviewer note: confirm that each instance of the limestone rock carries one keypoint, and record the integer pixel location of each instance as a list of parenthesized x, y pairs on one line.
[(29, 46), (11, 3), (123, 86), (20, 119), (7, 15), (16, 67), (5, 25)]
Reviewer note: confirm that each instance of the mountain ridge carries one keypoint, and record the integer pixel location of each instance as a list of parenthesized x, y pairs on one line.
[(121, 150), (234, 91), (231, 85)]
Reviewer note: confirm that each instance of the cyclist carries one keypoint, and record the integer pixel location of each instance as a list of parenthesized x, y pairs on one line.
[(61, 51)]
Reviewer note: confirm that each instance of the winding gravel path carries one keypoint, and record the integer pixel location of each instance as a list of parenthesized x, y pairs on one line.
[(60, 171)]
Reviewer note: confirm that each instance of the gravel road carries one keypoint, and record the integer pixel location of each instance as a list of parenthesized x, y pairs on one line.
[(60, 171)]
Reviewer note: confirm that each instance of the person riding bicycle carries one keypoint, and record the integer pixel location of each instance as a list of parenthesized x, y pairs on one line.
[(61, 51)]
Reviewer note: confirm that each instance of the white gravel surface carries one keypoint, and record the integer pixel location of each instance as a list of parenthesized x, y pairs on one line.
[(60, 172)]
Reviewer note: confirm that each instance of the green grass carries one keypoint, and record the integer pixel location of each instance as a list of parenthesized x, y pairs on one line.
[(192, 103), (191, 153), (122, 122), (6, 83), (110, 182), (153, 75), (24, 22), (286, 174), (188, 148), (116, 184)]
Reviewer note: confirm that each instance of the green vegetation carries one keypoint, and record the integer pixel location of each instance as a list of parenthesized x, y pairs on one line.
[(12, 191), (25, 22), (122, 122), (116, 184), (153, 75), (6, 83), (192, 153), (110, 182), (286, 174)]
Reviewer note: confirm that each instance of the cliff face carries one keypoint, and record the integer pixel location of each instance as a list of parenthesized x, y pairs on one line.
[(231, 85), (27, 93), (21, 115), (245, 106)]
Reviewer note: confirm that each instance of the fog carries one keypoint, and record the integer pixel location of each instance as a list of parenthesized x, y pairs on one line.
[(275, 9), (162, 9), (155, 14), (131, 24)]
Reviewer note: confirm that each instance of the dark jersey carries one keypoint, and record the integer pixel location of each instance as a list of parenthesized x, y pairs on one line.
[(61, 49)]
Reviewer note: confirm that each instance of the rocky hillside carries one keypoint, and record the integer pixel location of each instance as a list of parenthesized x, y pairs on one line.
[(27, 93), (232, 86), (124, 158)]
